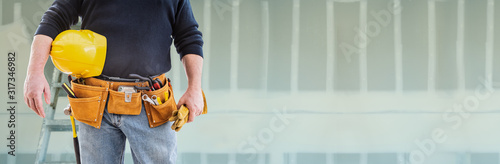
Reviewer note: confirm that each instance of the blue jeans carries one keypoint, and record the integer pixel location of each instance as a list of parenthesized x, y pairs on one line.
[(107, 145)]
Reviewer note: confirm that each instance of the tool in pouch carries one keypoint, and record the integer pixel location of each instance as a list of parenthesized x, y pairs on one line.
[(76, 144), (154, 85), (152, 100), (157, 97)]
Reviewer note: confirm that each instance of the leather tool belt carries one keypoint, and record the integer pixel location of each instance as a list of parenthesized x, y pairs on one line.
[(95, 93)]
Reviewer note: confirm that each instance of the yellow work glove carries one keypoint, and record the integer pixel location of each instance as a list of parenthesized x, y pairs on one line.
[(181, 115)]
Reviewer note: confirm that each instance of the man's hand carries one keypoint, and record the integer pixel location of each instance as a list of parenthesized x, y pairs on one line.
[(192, 98), (35, 84)]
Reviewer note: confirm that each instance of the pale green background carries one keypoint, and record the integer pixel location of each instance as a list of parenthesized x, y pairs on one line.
[(339, 126)]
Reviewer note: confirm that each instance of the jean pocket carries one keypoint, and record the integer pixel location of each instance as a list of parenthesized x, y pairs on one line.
[(124, 103)]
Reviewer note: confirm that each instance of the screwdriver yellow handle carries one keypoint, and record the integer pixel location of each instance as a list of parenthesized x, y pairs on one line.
[(159, 100)]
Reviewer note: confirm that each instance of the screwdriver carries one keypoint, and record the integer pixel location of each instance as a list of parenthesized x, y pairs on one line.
[(159, 100), (76, 144)]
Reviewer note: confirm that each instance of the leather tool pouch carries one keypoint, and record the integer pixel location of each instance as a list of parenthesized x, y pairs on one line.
[(92, 98), (89, 105), (126, 103), (159, 114)]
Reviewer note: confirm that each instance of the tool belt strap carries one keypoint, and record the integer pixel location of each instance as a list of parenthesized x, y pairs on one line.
[(113, 85)]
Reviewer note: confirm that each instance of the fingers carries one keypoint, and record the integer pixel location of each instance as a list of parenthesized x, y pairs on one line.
[(192, 101), (46, 93), (193, 111), (180, 103), (33, 107), (39, 106), (192, 115), (36, 86), (27, 101), (36, 106), (30, 105)]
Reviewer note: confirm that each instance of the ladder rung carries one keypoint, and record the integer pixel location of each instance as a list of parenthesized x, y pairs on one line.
[(59, 125), (50, 125)]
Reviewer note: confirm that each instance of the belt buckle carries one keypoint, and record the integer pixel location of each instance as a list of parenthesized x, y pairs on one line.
[(128, 96), (128, 90)]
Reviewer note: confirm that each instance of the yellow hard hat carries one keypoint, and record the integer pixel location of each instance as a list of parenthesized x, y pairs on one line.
[(80, 53)]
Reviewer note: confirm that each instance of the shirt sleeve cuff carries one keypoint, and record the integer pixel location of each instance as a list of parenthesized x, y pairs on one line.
[(46, 29), (191, 49)]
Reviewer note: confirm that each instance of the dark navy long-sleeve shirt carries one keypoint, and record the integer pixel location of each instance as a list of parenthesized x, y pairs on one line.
[(139, 33)]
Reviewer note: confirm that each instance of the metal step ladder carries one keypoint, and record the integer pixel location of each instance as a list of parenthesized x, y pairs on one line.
[(49, 123)]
